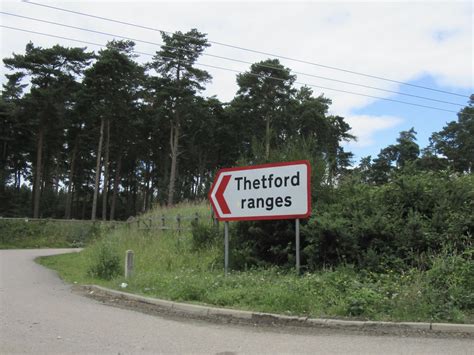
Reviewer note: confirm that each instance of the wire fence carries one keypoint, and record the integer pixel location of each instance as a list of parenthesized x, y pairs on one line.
[(178, 222), (28, 219)]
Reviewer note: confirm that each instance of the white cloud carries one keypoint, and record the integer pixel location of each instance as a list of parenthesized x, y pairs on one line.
[(364, 127), (402, 40)]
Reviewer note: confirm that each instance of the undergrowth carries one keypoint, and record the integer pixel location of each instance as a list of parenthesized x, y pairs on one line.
[(179, 267)]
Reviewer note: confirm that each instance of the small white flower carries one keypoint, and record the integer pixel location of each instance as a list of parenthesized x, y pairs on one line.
[(123, 285)]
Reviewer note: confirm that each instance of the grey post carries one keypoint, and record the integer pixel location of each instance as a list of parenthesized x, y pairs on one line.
[(226, 247), (297, 232), (163, 221), (128, 264)]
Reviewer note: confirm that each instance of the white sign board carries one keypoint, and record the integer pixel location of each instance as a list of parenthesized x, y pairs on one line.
[(269, 191)]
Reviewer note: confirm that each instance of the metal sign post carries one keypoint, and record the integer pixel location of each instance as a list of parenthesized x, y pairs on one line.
[(226, 247), (297, 234)]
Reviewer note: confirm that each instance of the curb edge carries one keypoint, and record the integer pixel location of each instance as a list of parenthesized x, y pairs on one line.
[(202, 311)]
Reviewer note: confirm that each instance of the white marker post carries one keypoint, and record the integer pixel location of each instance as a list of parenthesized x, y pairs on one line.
[(263, 192)]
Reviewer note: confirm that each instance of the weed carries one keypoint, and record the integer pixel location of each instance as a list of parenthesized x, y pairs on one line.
[(105, 263)]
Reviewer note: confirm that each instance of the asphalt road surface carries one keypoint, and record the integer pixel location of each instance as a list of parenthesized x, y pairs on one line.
[(40, 314)]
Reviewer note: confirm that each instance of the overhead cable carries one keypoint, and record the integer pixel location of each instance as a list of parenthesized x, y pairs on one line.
[(244, 49), (268, 66), (239, 72)]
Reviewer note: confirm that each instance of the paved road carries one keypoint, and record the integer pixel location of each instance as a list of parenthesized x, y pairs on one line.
[(39, 314)]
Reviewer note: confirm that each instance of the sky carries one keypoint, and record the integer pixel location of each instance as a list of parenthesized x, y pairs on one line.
[(423, 43)]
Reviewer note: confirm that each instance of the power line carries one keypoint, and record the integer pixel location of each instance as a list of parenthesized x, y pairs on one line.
[(232, 59), (245, 49), (240, 72)]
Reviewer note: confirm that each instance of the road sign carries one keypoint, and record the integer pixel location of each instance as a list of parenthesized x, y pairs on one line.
[(268, 191)]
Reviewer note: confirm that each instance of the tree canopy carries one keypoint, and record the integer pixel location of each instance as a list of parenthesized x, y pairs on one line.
[(99, 135)]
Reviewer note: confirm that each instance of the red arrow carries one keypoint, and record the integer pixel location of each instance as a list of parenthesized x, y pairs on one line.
[(220, 194)]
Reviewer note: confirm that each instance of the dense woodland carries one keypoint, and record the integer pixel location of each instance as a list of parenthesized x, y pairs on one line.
[(90, 135)]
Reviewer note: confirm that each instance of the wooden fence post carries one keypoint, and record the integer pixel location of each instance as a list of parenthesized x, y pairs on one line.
[(178, 219), (215, 222)]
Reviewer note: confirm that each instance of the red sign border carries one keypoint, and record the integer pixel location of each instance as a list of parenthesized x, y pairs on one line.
[(260, 166)]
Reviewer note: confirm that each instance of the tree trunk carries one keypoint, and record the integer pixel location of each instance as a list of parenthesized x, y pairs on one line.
[(174, 141), (38, 172), (73, 197), (267, 137), (152, 184), (166, 172), (71, 177), (85, 200), (97, 171), (146, 189), (56, 179), (201, 169), (116, 186), (106, 172), (134, 193), (3, 172), (17, 180)]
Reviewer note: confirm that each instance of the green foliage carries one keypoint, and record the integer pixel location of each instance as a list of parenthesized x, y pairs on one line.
[(26, 233), (450, 284), (105, 261), (395, 225), (189, 267), (363, 301), (338, 292), (455, 141), (204, 235)]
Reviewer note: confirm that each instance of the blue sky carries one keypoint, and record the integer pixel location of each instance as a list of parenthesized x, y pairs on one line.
[(428, 43), (425, 121)]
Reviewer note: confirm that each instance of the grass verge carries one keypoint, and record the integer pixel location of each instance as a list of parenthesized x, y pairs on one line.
[(168, 266), (28, 233)]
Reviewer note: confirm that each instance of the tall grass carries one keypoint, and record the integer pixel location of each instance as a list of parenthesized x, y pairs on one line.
[(169, 265), (27, 233)]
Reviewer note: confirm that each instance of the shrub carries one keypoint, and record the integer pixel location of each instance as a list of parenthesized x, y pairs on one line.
[(26, 233), (105, 263), (450, 284), (203, 235), (363, 301), (394, 226)]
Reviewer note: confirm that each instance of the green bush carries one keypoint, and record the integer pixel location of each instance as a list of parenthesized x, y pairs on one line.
[(450, 284), (27, 233), (394, 226), (105, 263), (203, 235), (363, 301)]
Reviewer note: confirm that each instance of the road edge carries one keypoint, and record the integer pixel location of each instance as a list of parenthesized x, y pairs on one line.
[(237, 316)]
